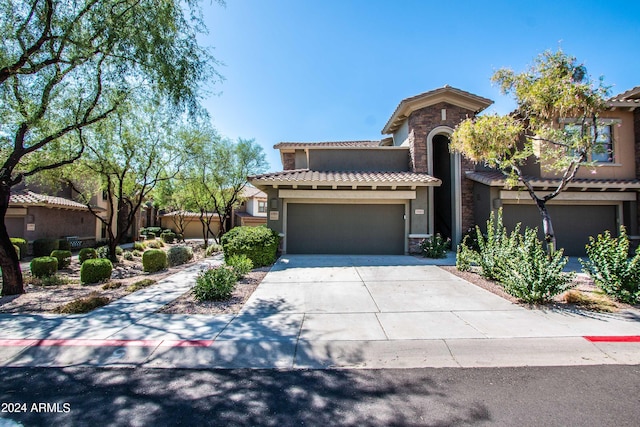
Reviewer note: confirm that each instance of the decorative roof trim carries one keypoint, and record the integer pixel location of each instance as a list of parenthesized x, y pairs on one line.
[(30, 199), (326, 144), (497, 179), (447, 94)]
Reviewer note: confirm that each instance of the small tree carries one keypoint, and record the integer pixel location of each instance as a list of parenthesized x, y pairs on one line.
[(555, 90)]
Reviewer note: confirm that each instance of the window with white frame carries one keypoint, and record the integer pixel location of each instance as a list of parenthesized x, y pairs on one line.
[(262, 206)]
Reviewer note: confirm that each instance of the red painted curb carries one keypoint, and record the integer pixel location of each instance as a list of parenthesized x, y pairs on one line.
[(624, 338), (102, 343)]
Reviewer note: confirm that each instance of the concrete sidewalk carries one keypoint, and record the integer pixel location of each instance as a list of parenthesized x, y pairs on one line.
[(326, 312)]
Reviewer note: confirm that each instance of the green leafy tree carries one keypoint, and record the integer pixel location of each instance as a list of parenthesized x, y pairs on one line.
[(67, 65), (126, 156), (555, 90)]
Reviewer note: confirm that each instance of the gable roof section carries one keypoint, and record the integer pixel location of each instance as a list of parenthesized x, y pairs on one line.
[(29, 198), (630, 98), (326, 144), (447, 94), (365, 179), (497, 179), (250, 191)]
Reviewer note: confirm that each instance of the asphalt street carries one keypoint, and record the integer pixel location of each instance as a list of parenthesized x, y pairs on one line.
[(530, 396)]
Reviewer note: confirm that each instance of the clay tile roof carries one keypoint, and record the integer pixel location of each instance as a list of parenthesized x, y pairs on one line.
[(250, 192), (187, 214), (310, 177), (497, 179), (326, 144), (630, 98), (29, 198)]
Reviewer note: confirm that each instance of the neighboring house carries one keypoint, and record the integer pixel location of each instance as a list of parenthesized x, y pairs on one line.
[(34, 216), (252, 211), (190, 221), (384, 197)]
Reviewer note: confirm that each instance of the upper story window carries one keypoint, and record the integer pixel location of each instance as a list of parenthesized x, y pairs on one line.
[(262, 206), (602, 149)]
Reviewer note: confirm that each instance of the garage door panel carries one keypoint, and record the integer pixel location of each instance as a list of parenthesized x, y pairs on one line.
[(345, 229), (572, 224)]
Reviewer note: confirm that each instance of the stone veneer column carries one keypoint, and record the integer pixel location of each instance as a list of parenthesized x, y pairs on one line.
[(423, 121)]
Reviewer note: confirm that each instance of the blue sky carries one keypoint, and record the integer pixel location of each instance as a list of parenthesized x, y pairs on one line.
[(307, 70)]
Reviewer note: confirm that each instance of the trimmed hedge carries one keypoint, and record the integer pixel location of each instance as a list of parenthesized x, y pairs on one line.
[(64, 245), (44, 247), (44, 266), (95, 270), (179, 255), (154, 260), (63, 257), (22, 244), (87, 253), (259, 244), (168, 236)]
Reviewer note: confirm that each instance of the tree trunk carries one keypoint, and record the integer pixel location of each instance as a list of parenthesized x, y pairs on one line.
[(9, 262), (547, 226)]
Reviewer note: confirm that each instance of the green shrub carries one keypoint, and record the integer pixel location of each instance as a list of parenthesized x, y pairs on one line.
[(610, 267), (150, 235), (494, 247), (179, 255), (43, 247), (530, 274), (128, 255), (87, 253), (241, 265), (435, 247), (95, 270), (213, 249), (180, 237), (63, 257), (64, 245), (22, 245), (154, 260), (44, 266), (215, 284), (54, 280), (139, 246), (168, 236), (259, 244), (136, 253), (155, 230)]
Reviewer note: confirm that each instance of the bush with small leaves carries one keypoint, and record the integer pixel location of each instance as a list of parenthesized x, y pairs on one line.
[(87, 253), (64, 245), (128, 255), (531, 275), (139, 246), (44, 266), (136, 253), (154, 260), (64, 258), (22, 245), (168, 236), (103, 251), (259, 244), (611, 268), (241, 265), (43, 247), (150, 235), (95, 270), (178, 255), (435, 247), (215, 284)]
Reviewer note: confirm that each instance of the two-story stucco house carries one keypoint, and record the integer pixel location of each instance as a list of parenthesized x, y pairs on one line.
[(384, 197)]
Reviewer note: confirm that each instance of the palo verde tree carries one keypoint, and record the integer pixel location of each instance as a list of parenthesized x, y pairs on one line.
[(66, 65), (555, 124), (126, 156)]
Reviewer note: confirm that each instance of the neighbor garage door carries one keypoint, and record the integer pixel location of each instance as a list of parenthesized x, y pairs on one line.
[(345, 229), (572, 224)]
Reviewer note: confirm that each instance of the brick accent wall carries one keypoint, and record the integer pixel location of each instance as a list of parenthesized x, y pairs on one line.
[(288, 161), (423, 121)]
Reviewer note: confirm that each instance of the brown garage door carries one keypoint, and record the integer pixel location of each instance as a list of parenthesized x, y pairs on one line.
[(572, 224), (345, 229)]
